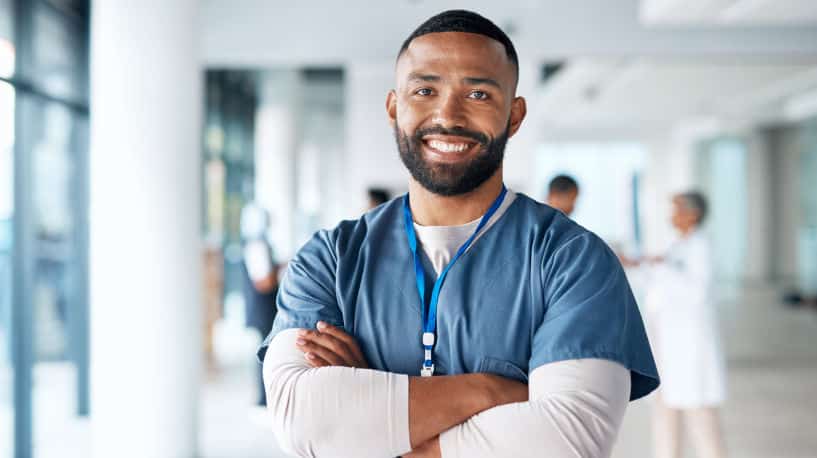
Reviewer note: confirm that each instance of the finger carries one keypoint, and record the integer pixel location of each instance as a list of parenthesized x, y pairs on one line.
[(331, 343), (339, 334), (315, 360), (321, 352)]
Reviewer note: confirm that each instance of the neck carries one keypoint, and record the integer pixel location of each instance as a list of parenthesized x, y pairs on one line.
[(429, 209)]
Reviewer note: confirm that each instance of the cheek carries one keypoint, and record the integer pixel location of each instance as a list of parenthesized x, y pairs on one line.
[(408, 117)]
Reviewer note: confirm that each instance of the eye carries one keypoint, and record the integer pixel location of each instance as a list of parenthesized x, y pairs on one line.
[(479, 95), (423, 91)]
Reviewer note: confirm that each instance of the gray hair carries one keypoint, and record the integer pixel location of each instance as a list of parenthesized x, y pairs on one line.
[(695, 201)]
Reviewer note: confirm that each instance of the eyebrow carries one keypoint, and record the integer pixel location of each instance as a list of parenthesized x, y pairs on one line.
[(480, 81), (472, 80), (414, 76)]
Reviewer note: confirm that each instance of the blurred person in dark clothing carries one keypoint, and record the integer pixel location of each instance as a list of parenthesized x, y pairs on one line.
[(378, 196), (260, 276), (563, 191)]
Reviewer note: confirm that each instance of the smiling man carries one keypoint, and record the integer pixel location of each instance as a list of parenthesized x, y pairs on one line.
[(462, 319)]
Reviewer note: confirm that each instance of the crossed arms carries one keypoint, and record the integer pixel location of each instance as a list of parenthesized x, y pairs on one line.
[(326, 402)]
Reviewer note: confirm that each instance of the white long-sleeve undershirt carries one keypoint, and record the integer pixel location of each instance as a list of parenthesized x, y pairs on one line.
[(575, 409)]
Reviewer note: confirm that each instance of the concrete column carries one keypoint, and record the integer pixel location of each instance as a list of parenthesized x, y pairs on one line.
[(759, 208), (276, 139), (145, 235)]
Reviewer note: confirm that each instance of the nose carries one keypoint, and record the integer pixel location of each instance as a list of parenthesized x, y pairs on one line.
[(450, 113)]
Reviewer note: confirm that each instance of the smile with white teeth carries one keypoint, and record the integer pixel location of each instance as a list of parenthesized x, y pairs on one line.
[(446, 147)]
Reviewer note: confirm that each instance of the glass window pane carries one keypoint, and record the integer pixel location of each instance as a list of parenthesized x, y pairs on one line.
[(7, 52), (58, 53), (55, 136), (6, 214), (725, 185), (807, 232)]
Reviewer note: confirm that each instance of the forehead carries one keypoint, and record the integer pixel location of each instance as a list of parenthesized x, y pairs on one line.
[(456, 52)]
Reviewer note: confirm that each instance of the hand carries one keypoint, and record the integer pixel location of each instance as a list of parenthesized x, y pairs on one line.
[(429, 449), (627, 261), (330, 346), (266, 284), (656, 259)]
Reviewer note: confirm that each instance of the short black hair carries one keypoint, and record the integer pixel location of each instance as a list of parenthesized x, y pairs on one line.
[(561, 184), (466, 22), (379, 195)]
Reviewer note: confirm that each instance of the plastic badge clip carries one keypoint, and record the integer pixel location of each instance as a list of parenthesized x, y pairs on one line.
[(428, 339), (427, 371)]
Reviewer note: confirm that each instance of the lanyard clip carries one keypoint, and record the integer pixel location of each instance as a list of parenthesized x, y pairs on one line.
[(427, 371), (428, 339)]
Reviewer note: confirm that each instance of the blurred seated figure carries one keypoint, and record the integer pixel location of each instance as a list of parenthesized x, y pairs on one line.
[(260, 276), (683, 329), (378, 196), (563, 191)]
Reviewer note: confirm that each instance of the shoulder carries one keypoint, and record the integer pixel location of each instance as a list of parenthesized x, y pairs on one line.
[(551, 229)]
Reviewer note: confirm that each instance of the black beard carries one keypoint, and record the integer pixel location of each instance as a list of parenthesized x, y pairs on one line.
[(451, 179)]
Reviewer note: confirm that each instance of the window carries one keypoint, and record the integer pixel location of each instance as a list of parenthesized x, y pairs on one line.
[(6, 214), (43, 248)]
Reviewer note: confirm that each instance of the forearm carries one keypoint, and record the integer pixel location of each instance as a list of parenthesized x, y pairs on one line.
[(439, 403), (576, 408)]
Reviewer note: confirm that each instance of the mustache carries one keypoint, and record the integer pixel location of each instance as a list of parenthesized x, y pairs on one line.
[(478, 137)]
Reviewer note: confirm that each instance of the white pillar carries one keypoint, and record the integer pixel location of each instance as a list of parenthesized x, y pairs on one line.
[(759, 206), (276, 139), (145, 258)]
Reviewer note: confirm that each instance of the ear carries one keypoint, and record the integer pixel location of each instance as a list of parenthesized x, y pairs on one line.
[(391, 107), (519, 109)]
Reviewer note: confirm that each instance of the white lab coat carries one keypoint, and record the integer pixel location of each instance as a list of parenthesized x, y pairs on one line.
[(683, 326)]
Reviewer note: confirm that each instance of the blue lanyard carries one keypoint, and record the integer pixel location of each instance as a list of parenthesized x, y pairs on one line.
[(430, 310)]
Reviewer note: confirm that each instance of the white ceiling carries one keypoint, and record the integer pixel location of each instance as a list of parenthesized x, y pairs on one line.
[(632, 65), (643, 94), (729, 12), (319, 32)]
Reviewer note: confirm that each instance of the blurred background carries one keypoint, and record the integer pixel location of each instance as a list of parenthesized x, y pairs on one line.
[(135, 136)]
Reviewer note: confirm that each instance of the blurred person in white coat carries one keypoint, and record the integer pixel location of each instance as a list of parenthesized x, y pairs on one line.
[(683, 328)]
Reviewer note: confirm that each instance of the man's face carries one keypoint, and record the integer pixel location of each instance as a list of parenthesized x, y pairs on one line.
[(454, 109)]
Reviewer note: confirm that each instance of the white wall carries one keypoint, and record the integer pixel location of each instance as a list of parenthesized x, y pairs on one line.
[(372, 158), (669, 169), (520, 155)]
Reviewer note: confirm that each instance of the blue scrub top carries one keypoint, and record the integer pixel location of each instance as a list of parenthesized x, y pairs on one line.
[(535, 288)]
